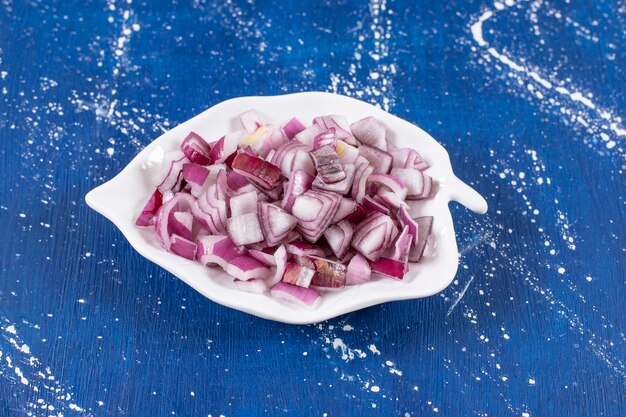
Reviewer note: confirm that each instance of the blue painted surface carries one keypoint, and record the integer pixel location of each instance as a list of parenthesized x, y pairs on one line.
[(534, 324)]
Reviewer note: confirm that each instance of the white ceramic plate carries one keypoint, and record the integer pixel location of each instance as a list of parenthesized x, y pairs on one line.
[(122, 198)]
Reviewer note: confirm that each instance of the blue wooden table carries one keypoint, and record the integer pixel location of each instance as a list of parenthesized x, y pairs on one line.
[(527, 96)]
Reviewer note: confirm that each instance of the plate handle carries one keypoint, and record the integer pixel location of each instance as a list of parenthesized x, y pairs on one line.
[(466, 195)]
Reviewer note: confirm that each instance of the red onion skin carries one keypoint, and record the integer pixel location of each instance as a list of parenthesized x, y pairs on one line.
[(329, 274), (179, 228), (236, 181), (195, 173), (216, 149), (246, 267), (229, 161), (341, 187), (264, 174), (196, 149), (357, 215), (299, 275), (146, 218), (183, 247), (389, 267), (292, 128), (327, 164)]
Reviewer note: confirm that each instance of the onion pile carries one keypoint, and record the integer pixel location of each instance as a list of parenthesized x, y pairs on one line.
[(291, 209)]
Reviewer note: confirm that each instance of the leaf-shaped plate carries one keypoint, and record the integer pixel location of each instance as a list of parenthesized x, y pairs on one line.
[(122, 198)]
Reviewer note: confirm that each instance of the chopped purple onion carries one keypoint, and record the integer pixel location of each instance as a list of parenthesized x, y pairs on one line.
[(277, 189)]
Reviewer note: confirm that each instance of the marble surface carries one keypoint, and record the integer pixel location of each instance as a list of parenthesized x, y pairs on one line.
[(528, 98)]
